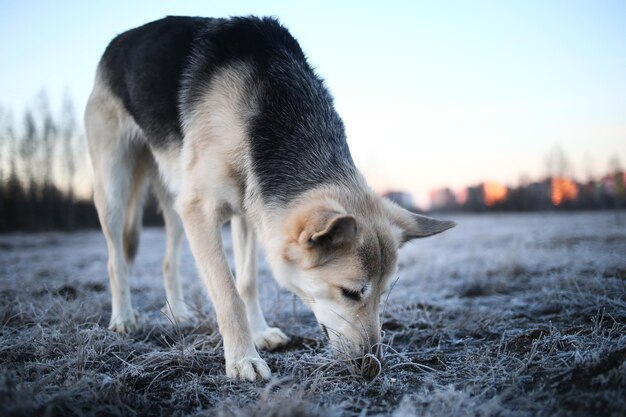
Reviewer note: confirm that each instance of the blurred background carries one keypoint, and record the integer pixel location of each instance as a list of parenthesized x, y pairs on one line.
[(449, 106)]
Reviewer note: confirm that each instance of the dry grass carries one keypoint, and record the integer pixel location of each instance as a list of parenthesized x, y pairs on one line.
[(506, 315)]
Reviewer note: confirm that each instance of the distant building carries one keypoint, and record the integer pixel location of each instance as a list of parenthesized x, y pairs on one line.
[(538, 196), (442, 199), (485, 195), (401, 198), (552, 193), (461, 196)]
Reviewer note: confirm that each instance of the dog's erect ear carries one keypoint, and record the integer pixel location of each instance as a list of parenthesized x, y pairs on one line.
[(328, 229), (317, 233), (414, 226)]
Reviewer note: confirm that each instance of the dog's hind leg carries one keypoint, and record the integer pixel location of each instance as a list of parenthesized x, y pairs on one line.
[(135, 202), (114, 157), (244, 248), (176, 309)]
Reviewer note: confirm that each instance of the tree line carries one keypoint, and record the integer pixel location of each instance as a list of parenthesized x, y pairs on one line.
[(45, 175)]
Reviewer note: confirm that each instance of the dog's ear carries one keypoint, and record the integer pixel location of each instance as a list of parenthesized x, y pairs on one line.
[(414, 226), (318, 233), (328, 229)]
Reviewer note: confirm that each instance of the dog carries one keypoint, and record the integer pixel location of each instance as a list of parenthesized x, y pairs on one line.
[(228, 121)]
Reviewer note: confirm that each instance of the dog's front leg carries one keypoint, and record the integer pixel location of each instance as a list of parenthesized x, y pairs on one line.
[(202, 220), (244, 249)]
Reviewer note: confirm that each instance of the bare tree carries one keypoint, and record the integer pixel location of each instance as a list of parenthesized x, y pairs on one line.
[(39, 167), (4, 146), (557, 163), (10, 145), (68, 158), (615, 165), (615, 168), (589, 167), (27, 151), (48, 140), (68, 135), (12, 190)]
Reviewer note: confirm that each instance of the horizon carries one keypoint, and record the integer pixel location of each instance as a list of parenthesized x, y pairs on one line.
[(432, 96)]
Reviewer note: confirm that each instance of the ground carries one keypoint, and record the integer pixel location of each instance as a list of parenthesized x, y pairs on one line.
[(507, 315)]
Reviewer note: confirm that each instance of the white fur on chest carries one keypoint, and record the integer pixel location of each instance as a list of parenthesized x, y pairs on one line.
[(213, 160)]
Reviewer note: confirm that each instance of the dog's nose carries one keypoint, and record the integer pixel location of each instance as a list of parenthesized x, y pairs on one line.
[(369, 365)]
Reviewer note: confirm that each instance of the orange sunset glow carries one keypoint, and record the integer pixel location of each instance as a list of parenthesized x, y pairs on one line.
[(494, 193), (563, 189)]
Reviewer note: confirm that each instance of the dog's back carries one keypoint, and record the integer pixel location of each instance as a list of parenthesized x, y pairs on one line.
[(143, 67), (163, 70)]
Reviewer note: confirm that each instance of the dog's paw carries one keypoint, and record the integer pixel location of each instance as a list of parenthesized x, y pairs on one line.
[(180, 315), (123, 324), (249, 369), (270, 339)]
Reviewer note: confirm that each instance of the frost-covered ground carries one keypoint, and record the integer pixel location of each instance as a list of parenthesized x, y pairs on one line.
[(508, 315)]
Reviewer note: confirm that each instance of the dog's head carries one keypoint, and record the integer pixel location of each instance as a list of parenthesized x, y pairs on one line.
[(339, 255)]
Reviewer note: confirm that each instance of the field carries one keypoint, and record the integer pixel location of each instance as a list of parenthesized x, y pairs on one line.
[(505, 315)]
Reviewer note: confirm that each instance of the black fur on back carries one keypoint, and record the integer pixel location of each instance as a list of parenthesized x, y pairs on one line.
[(297, 139), (144, 67)]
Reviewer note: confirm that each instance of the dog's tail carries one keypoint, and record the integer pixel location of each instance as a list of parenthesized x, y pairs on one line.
[(134, 210)]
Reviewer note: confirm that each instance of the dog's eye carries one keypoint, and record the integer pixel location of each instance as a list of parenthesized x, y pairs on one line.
[(353, 295)]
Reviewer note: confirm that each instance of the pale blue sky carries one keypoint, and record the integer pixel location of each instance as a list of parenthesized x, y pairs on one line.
[(432, 93)]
